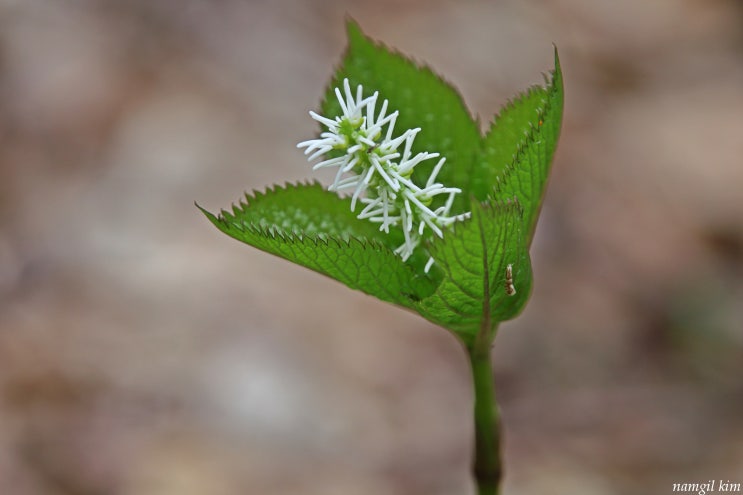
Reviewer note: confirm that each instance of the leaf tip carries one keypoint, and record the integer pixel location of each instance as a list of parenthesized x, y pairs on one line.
[(206, 212), (353, 30), (352, 25), (557, 72)]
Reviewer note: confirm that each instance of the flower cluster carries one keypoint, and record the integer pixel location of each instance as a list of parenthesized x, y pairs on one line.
[(379, 167)]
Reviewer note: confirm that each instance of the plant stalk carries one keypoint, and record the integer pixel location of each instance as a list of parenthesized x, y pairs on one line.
[(487, 463)]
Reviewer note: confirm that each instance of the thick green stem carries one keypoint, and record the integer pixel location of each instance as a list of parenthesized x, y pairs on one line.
[(487, 462)]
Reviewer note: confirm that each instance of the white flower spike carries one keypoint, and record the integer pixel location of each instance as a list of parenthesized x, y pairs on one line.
[(369, 162)]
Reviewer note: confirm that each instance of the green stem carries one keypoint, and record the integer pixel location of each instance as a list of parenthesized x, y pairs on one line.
[(487, 462)]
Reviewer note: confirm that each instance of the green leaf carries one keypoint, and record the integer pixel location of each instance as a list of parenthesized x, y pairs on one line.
[(472, 298), (508, 132), (518, 149), (315, 228), (423, 99)]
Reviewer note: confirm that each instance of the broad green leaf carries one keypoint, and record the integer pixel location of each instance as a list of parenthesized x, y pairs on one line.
[(508, 132), (423, 99), (315, 228), (472, 298), (518, 149)]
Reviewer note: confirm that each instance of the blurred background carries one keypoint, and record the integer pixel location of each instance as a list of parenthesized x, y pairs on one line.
[(144, 353)]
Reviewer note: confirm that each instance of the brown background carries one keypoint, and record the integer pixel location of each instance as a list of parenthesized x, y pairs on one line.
[(144, 353)]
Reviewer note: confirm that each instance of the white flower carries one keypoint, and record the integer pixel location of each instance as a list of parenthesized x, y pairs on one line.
[(370, 163)]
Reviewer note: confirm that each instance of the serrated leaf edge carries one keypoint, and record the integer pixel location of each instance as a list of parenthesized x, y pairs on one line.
[(352, 25), (293, 236), (228, 220), (530, 136)]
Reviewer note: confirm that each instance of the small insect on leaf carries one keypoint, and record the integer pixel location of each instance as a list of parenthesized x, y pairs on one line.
[(510, 289)]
